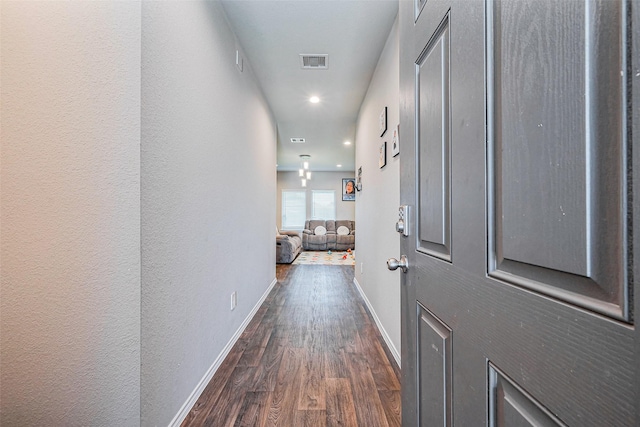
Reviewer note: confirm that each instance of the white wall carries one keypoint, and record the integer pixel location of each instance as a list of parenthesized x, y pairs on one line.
[(130, 151), (377, 203), (208, 198), (318, 181), (70, 213)]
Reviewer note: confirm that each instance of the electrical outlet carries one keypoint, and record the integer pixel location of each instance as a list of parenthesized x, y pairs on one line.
[(361, 267), (234, 300)]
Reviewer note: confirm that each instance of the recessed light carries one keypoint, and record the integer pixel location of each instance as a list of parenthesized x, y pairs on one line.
[(338, 166), (347, 143), (314, 99)]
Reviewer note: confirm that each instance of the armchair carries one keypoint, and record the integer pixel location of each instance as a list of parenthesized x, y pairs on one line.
[(288, 246)]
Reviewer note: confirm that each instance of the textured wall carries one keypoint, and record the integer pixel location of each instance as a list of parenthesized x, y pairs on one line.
[(70, 213), (318, 181), (377, 203), (208, 198)]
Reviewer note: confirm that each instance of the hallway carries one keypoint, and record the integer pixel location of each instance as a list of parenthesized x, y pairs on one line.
[(311, 356)]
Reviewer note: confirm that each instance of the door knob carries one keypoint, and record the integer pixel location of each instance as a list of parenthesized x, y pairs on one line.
[(393, 264)]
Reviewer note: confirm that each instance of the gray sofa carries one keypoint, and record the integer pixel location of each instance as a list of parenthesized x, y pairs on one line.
[(288, 246), (331, 240)]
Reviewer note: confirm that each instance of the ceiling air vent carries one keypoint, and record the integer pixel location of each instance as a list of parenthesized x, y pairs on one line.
[(314, 62), (297, 140)]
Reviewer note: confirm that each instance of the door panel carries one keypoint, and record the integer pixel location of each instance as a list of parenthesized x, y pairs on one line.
[(557, 145), (427, 23), (434, 370), (516, 140), (509, 405), (432, 107)]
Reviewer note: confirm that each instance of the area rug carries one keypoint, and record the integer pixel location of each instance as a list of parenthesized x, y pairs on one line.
[(326, 258)]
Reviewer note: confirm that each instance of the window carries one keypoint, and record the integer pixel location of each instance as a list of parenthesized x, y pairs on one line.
[(294, 209), (323, 204)]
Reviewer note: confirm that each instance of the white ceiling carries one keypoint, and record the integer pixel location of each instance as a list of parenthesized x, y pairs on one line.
[(273, 33)]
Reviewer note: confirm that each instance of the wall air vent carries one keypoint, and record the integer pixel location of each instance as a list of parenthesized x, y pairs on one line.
[(314, 61), (298, 140)]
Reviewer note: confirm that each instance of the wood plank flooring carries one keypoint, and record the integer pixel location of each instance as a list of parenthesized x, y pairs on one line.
[(311, 356)]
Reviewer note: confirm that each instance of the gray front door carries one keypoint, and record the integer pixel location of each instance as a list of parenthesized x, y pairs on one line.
[(519, 151)]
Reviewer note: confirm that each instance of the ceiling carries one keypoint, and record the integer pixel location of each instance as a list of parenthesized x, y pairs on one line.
[(273, 34)]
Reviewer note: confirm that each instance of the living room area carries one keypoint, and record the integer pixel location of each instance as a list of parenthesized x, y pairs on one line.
[(315, 223)]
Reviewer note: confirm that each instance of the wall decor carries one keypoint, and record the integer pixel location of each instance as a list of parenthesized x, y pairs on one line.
[(395, 143), (383, 121), (348, 189), (359, 179), (382, 160)]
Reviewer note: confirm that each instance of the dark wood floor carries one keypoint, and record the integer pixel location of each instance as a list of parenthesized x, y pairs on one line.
[(312, 356)]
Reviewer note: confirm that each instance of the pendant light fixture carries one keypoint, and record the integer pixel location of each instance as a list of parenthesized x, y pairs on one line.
[(304, 172)]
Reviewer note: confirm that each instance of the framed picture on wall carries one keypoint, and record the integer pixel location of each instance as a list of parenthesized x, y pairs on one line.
[(383, 121), (382, 160), (395, 143), (348, 189)]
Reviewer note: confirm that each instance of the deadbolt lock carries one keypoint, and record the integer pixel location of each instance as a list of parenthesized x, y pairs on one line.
[(402, 226)]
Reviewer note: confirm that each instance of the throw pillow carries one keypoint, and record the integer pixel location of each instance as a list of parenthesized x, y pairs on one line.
[(320, 231), (342, 230)]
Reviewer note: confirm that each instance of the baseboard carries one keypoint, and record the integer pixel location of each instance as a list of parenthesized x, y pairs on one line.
[(193, 398), (383, 332)]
